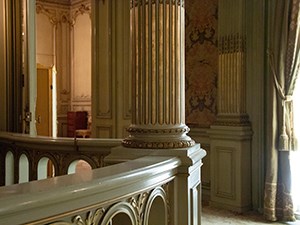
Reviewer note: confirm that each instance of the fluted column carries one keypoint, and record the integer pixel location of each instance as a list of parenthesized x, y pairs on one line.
[(157, 35)]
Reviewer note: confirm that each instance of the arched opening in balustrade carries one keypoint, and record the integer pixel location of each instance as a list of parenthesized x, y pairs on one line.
[(79, 166), (23, 169), (156, 211), (45, 169), (157, 215), (120, 213), (9, 168), (120, 218)]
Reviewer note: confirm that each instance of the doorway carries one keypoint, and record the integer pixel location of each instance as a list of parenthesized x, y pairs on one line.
[(63, 39), (45, 113), (54, 36)]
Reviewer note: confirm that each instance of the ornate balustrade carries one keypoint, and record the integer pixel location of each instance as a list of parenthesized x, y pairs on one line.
[(136, 192), (19, 152), (142, 187)]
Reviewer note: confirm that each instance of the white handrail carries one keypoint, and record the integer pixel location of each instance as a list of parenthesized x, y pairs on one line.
[(61, 151), (46, 142), (63, 198)]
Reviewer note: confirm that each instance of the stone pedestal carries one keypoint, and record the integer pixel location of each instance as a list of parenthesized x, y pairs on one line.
[(231, 167)]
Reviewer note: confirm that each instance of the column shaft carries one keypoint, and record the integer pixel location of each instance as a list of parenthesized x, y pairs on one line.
[(157, 35)]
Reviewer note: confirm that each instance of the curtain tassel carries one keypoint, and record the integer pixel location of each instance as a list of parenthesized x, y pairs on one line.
[(283, 144), (295, 143)]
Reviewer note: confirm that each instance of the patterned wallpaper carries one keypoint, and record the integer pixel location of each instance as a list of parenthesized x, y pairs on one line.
[(201, 62)]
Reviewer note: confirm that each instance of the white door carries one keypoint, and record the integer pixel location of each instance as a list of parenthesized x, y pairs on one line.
[(30, 78)]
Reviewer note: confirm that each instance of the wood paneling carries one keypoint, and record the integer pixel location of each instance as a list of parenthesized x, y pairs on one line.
[(111, 78), (225, 172)]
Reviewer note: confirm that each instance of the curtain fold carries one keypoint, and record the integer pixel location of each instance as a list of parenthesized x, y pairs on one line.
[(284, 67)]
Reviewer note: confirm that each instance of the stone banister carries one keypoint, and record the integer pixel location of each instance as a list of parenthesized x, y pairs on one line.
[(61, 151), (134, 188)]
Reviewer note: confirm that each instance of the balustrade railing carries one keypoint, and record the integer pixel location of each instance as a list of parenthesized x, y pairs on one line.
[(144, 187), (26, 158), (136, 192)]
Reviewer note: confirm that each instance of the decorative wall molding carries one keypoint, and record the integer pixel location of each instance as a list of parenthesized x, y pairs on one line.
[(57, 12), (105, 100), (80, 10), (104, 131), (230, 153), (135, 3), (82, 98), (225, 172), (64, 95), (64, 108), (54, 13), (60, 2), (232, 43), (49, 12)]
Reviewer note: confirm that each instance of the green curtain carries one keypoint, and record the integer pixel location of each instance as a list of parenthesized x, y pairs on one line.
[(283, 56)]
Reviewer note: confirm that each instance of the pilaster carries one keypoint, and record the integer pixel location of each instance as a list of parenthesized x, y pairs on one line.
[(231, 134), (111, 69)]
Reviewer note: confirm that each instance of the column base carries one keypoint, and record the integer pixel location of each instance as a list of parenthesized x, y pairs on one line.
[(163, 137)]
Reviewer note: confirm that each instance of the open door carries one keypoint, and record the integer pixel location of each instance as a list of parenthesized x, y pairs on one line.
[(29, 67), (43, 113)]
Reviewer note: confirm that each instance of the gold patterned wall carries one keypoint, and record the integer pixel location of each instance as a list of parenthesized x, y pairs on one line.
[(201, 62)]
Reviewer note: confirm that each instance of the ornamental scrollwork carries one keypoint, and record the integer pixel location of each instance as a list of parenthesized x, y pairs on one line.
[(136, 3), (232, 43), (158, 131), (158, 145), (84, 8), (91, 219), (165, 187), (139, 204), (51, 14)]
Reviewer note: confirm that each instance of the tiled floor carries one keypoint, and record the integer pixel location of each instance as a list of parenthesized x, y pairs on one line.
[(213, 216)]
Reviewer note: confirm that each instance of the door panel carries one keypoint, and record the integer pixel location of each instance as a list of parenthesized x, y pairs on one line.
[(44, 102)]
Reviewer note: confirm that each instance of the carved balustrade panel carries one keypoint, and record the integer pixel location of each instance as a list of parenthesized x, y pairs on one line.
[(136, 192), (61, 151)]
